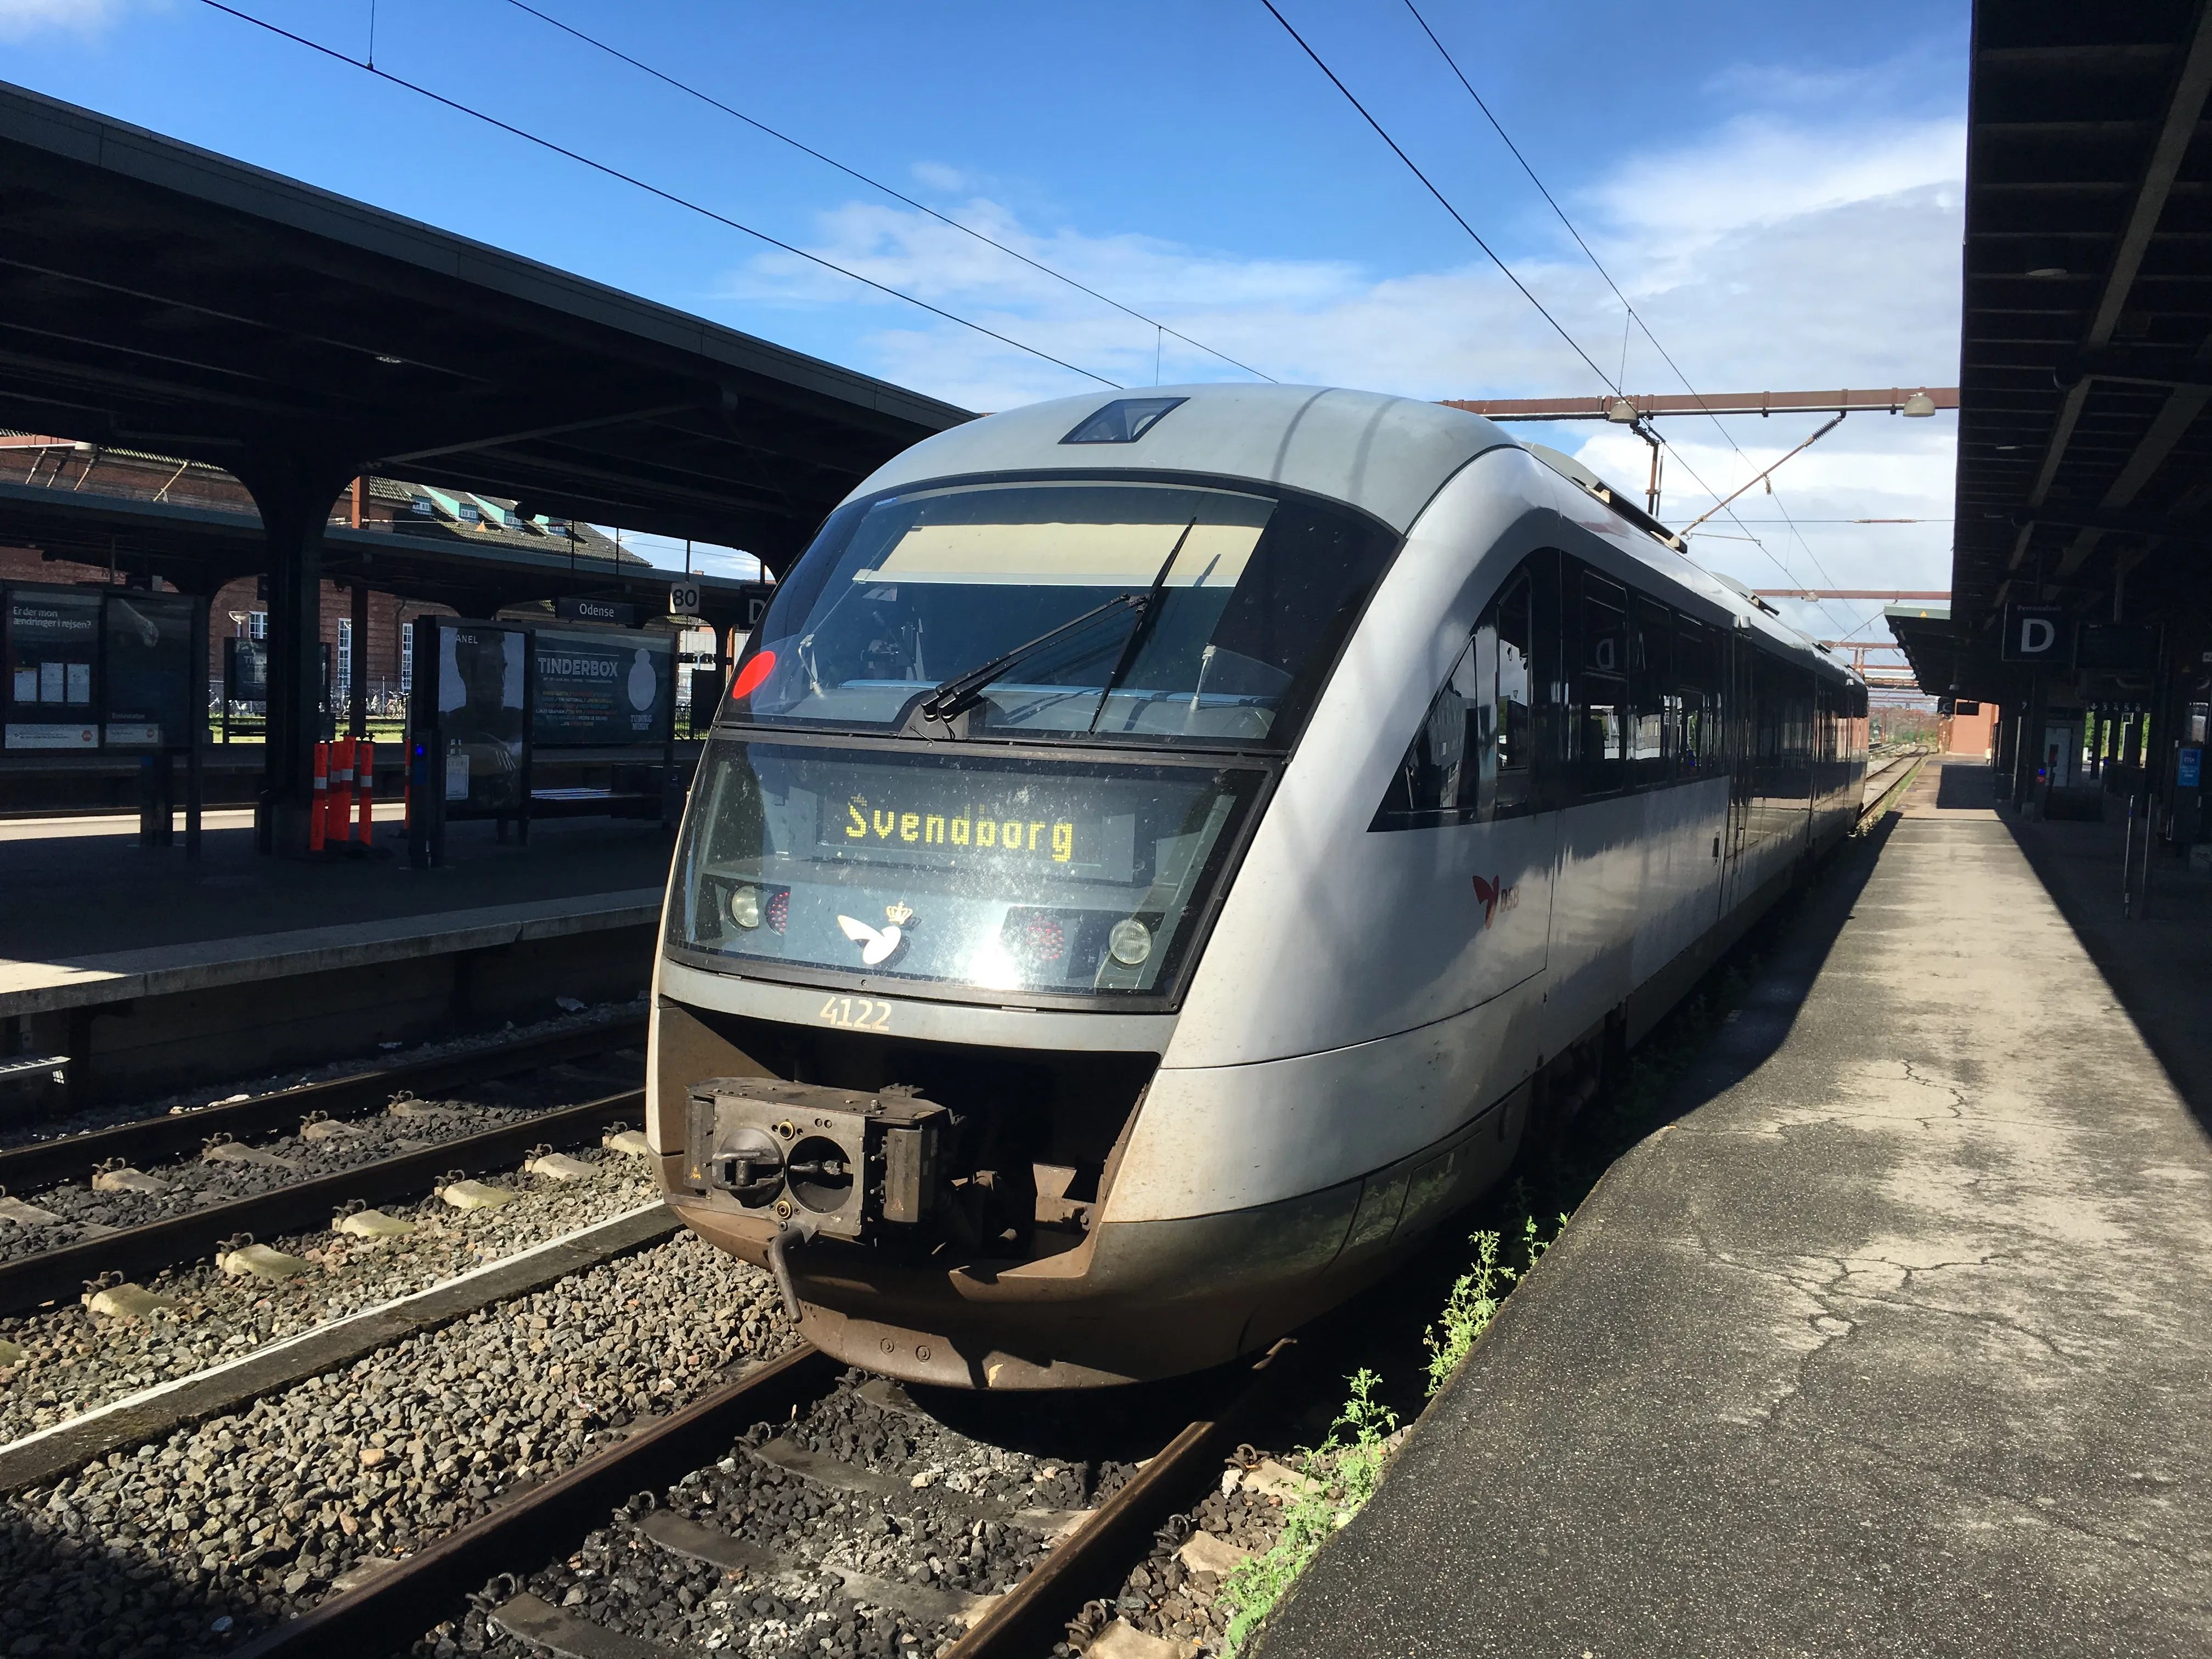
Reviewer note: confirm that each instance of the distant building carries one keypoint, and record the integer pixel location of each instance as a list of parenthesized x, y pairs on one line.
[(237, 609)]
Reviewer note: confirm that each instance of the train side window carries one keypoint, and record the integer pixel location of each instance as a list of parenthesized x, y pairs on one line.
[(1653, 728), (1696, 750), (1602, 711)]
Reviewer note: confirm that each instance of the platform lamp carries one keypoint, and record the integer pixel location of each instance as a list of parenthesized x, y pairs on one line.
[(1919, 406)]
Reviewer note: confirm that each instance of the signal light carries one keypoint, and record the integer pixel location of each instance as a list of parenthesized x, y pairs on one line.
[(752, 674)]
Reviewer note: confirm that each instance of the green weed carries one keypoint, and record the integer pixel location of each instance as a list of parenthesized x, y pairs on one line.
[(1476, 1296), (1346, 1468), (1344, 1471)]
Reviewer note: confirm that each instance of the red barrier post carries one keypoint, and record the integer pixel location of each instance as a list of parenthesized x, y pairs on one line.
[(316, 812), (339, 831)]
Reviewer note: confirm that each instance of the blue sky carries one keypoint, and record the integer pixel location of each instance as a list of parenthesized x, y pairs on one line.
[(1776, 187)]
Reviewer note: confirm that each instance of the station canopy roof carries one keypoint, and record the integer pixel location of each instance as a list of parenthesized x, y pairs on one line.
[(157, 297), (194, 525), (1923, 629), (2086, 356)]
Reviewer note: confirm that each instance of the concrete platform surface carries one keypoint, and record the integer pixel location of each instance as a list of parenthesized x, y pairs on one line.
[(86, 908), (1894, 1342)]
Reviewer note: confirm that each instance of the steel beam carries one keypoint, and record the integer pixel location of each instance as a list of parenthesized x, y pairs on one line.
[(1646, 405)]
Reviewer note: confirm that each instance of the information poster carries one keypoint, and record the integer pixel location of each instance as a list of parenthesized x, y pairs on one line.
[(52, 656), (603, 689), (482, 713), (149, 670)]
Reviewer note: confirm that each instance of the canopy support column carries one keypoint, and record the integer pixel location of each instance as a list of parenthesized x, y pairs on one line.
[(295, 494)]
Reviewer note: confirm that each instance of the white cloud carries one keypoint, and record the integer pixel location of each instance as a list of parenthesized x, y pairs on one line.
[(936, 175), (20, 19), (1768, 255)]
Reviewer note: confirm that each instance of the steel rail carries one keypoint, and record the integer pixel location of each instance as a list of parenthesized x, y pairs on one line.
[(53, 1275), (1868, 814), (1092, 1561), (389, 1613), (47, 1162)]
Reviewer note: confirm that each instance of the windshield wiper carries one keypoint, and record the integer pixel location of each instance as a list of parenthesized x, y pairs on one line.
[(1143, 630), (965, 690)]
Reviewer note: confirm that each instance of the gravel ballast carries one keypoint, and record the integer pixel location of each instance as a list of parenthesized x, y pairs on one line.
[(75, 1360), (188, 1545)]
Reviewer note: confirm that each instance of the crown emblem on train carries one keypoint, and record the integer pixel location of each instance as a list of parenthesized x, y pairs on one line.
[(1496, 896), (898, 914)]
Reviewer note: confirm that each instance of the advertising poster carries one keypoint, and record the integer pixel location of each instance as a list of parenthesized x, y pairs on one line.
[(597, 689), (245, 670), (481, 715), (149, 670), (52, 652)]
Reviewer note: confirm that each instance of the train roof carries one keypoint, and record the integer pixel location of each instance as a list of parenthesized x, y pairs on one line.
[(1385, 455)]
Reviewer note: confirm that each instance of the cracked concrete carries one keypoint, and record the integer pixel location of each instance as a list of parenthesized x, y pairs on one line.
[(1894, 1343)]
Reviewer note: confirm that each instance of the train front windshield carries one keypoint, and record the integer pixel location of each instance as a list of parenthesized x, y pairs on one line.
[(1193, 622), (1168, 613)]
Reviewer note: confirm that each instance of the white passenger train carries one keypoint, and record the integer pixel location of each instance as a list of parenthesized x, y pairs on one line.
[(1162, 854)]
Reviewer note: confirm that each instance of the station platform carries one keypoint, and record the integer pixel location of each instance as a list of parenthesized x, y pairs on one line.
[(1892, 1341), (131, 962)]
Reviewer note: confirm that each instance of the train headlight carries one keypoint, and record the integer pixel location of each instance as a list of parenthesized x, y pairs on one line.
[(1131, 942), (746, 906)]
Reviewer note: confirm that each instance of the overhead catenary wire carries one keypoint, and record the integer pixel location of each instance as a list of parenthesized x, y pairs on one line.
[(1626, 306), (896, 194), (1459, 219), (1442, 199), (667, 195)]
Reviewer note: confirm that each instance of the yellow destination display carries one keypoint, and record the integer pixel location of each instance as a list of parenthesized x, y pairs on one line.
[(1009, 833)]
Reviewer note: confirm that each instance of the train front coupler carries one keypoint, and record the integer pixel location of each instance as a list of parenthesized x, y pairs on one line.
[(818, 1163)]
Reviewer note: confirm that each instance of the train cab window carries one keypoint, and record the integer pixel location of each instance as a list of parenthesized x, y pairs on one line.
[(1472, 759), (1601, 741)]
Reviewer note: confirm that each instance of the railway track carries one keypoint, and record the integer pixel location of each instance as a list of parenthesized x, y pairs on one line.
[(124, 1174), (795, 1510), (1886, 786), (44, 1163)]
